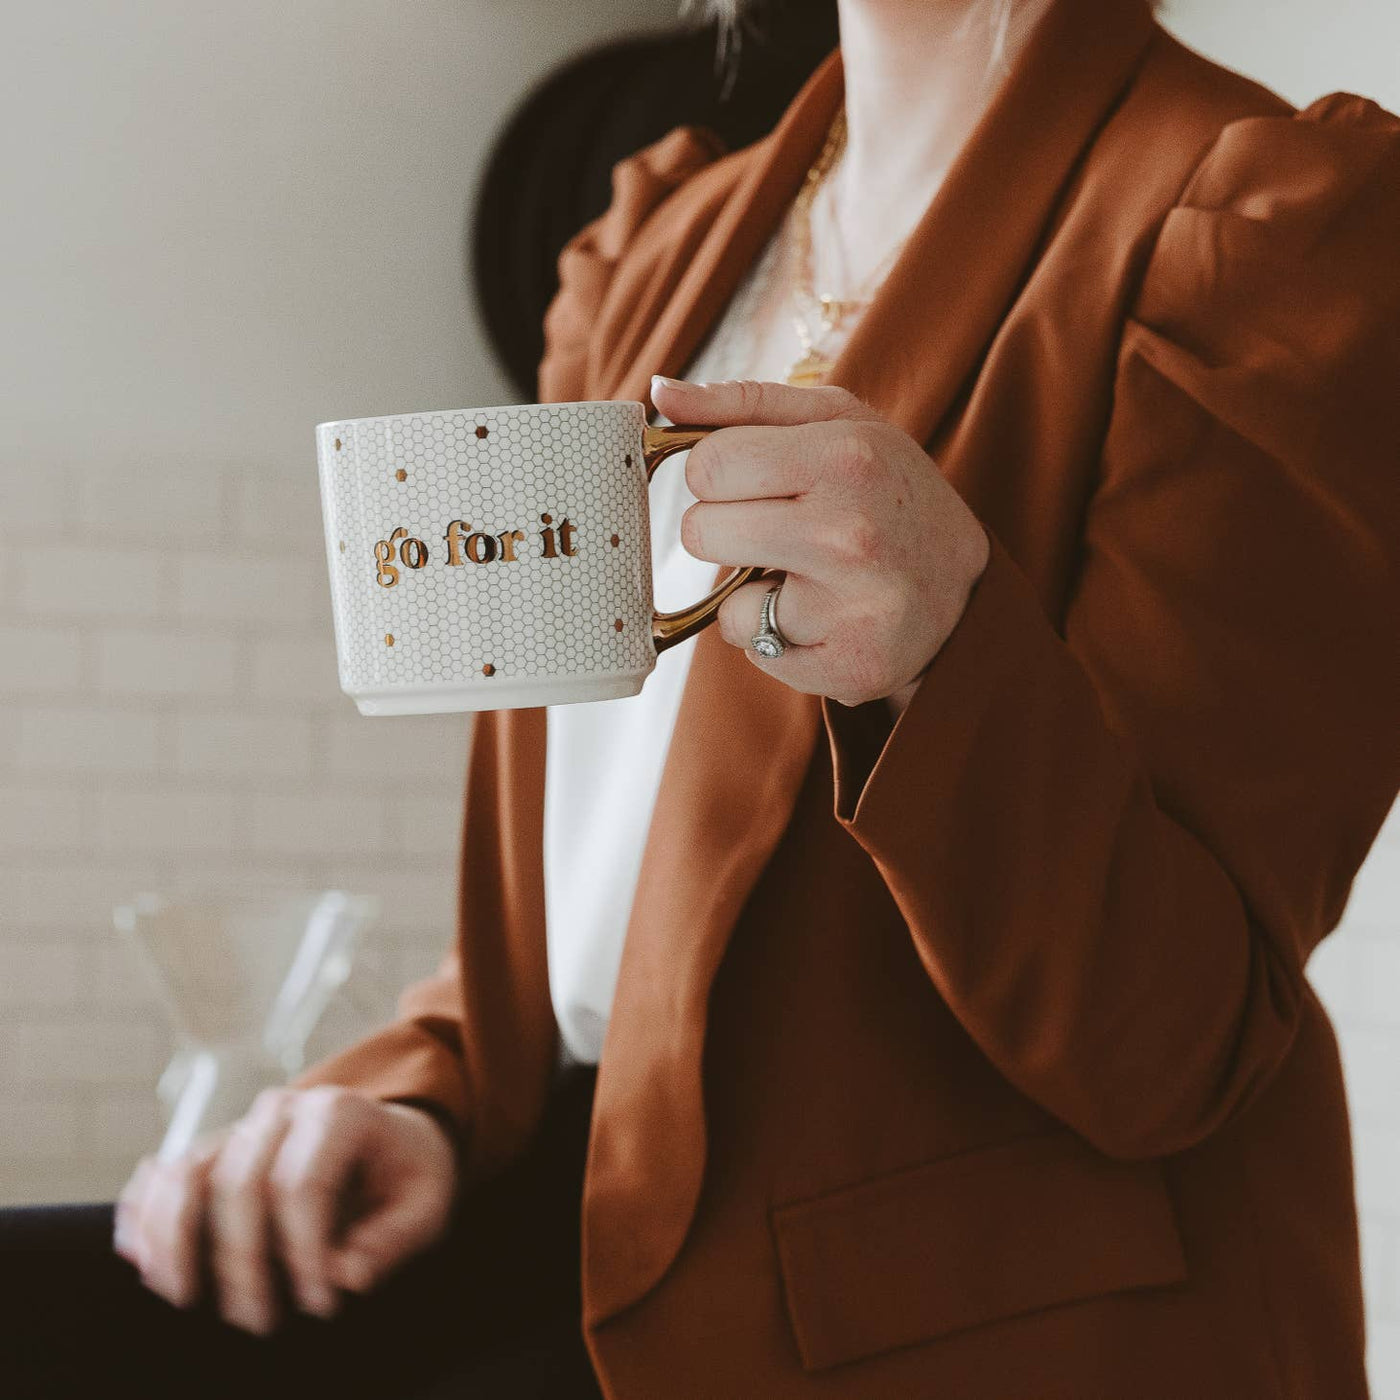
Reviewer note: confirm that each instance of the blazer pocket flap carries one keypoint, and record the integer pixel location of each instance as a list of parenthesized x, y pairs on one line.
[(987, 1234)]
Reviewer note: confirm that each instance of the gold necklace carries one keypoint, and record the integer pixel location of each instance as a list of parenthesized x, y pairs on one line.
[(814, 365)]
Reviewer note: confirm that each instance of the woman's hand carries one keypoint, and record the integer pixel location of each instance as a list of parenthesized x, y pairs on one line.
[(880, 553), (331, 1187)]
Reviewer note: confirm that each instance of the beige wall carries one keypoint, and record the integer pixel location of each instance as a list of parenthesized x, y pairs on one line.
[(225, 223), (1301, 48)]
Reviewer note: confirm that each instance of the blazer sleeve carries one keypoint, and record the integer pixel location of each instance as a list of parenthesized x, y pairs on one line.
[(417, 1059), (1117, 841)]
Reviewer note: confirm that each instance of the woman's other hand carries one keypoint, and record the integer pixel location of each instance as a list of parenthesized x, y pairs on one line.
[(880, 553), (336, 1187)]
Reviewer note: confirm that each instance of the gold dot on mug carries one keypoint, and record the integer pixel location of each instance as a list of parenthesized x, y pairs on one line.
[(400, 475), (615, 541), (481, 430), (488, 670), (388, 639), (337, 444), (342, 546), (617, 624)]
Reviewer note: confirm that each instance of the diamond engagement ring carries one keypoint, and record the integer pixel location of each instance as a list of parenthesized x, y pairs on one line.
[(769, 641)]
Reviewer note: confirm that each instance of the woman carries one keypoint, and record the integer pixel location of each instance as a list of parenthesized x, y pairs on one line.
[(959, 1041)]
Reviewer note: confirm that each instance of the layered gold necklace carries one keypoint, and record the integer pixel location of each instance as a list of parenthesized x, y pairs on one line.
[(831, 313)]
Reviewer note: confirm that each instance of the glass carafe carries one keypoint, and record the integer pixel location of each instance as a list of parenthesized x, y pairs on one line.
[(244, 977)]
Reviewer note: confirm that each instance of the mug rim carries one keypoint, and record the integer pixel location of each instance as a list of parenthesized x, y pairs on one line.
[(511, 408)]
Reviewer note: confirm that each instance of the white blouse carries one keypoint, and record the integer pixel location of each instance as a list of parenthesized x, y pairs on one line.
[(603, 761)]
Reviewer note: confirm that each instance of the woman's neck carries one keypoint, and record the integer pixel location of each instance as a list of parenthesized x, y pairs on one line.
[(919, 75)]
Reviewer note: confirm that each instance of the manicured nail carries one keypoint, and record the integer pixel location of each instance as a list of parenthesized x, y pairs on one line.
[(663, 382)]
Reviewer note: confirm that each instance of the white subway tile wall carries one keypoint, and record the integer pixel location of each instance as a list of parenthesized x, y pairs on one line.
[(170, 713), (173, 330)]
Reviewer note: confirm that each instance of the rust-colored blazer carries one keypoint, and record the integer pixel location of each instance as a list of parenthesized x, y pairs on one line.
[(975, 1058)]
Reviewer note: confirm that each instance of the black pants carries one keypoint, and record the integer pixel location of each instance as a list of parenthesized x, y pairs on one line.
[(491, 1311)]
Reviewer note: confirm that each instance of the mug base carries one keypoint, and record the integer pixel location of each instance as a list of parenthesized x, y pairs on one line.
[(448, 697)]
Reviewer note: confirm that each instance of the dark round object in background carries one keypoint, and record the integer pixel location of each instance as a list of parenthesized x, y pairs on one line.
[(551, 168)]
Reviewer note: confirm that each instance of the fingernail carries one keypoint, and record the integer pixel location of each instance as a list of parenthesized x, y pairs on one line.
[(663, 382)]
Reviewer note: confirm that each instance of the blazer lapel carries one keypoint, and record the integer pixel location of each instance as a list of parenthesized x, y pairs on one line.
[(752, 213), (743, 742), (713, 829), (738, 754)]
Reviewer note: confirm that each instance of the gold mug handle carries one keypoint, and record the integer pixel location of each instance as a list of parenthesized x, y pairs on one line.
[(668, 628)]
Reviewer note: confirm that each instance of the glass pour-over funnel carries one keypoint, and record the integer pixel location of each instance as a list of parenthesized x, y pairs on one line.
[(244, 977)]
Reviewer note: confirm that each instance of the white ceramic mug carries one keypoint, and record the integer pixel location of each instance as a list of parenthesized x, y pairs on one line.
[(495, 558)]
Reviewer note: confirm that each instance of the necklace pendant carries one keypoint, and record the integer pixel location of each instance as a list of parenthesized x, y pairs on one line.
[(834, 311), (811, 369)]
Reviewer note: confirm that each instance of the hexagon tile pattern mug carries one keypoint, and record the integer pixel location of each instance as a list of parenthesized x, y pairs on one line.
[(497, 558)]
